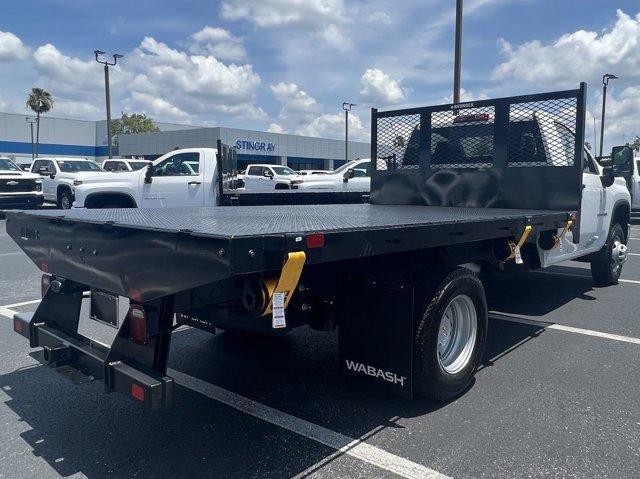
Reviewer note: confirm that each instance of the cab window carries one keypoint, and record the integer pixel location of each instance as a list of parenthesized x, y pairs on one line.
[(363, 170), (588, 166), (181, 164), (256, 171), (111, 166)]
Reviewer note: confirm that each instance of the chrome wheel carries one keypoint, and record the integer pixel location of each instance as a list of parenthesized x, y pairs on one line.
[(618, 255), (457, 334)]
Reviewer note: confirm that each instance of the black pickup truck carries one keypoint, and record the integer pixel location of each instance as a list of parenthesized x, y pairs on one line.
[(455, 188)]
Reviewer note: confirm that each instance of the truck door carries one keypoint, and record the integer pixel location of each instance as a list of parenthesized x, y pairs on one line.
[(46, 169), (361, 180), (255, 180), (594, 218), (177, 181)]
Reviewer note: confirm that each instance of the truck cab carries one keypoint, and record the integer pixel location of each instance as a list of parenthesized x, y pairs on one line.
[(186, 177), (60, 176), (268, 177), (118, 165)]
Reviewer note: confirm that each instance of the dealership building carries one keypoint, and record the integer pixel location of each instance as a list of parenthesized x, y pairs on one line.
[(63, 137)]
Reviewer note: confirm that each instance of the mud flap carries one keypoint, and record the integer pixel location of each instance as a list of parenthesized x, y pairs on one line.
[(376, 333)]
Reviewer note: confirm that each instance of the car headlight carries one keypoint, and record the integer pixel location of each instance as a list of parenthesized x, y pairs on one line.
[(38, 185), (296, 182), (77, 182)]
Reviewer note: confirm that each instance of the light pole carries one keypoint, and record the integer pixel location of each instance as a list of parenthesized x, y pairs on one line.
[(31, 122), (107, 64), (605, 81), (346, 106), (458, 53)]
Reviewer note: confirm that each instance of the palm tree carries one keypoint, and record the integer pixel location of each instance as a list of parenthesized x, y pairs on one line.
[(40, 101)]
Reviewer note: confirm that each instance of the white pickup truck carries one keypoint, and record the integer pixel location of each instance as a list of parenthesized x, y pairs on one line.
[(354, 175), (60, 176), (18, 189), (271, 177)]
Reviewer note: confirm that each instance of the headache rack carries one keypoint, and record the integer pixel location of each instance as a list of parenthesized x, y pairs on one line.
[(516, 152)]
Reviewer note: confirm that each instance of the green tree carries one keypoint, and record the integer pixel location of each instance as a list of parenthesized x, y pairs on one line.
[(132, 123), (39, 101)]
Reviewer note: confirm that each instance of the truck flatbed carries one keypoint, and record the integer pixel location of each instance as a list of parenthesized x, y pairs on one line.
[(188, 247)]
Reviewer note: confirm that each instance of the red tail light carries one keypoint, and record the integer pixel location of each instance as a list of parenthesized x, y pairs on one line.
[(137, 392), (138, 324), (315, 240), (45, 281)]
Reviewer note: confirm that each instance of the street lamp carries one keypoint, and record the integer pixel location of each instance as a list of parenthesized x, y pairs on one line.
[(107, 64), (605, 81), (346, 106), (457, 66), (31, 122)]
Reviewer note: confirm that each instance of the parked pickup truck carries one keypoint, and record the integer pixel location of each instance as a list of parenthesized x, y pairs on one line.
[(619, 155), (60, 176), (271, 177), (507, 188), (354, 175), (18, 189)]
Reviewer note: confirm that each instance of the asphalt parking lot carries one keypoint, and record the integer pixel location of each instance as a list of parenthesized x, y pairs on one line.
[(558, 395)]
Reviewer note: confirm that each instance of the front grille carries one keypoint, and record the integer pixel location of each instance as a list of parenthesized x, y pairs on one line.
[(17, 186)]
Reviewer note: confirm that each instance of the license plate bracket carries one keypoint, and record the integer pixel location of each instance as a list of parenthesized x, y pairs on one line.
[(104, 308)]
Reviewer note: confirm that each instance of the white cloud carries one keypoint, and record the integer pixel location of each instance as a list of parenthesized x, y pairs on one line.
[(194, 84), (293, 99), (575, 56), (319, 17), (277, 13), (335, 38), (467, 96), (378, 88), (332, 126), (218, 42), (621, 121), (275, 128), (3, 104), (12, 48)]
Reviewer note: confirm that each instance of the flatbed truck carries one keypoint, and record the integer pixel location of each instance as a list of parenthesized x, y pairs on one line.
[(498, 185)]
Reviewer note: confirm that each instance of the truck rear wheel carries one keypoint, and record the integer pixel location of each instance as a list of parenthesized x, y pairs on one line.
[(450, 336), (65, 200), (606, 268)]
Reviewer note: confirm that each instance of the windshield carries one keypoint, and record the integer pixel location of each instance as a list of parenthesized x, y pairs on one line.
[(73, 166), (283, 170), (7, 165), (138, 165), (342, 168)]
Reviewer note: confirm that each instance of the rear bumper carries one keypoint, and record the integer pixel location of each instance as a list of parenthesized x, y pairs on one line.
[(21, 200), (84, 358)]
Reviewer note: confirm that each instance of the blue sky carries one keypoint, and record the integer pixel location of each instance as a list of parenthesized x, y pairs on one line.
[(287, 65)]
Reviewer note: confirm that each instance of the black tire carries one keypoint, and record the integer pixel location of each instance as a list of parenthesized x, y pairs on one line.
[(603, 267), (65, 200), (431, 380)]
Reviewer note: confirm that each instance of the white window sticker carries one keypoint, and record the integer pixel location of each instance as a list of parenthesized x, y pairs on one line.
[(278, 318)]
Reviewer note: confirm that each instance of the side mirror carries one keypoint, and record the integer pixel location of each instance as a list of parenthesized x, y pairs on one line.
[(608, 176), (622, 160), (52, 175), (268, 174), (350, 173), (148, 175)]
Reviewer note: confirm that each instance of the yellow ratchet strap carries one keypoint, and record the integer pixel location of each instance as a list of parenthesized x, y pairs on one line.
[(288, 280), (515, 248), (558, 238)]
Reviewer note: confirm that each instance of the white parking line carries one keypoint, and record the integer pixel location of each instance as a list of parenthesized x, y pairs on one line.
[(583, 276), (17, 253), (561, 327), (7, 313), (24, 303), (633, 254), (352, 447)]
